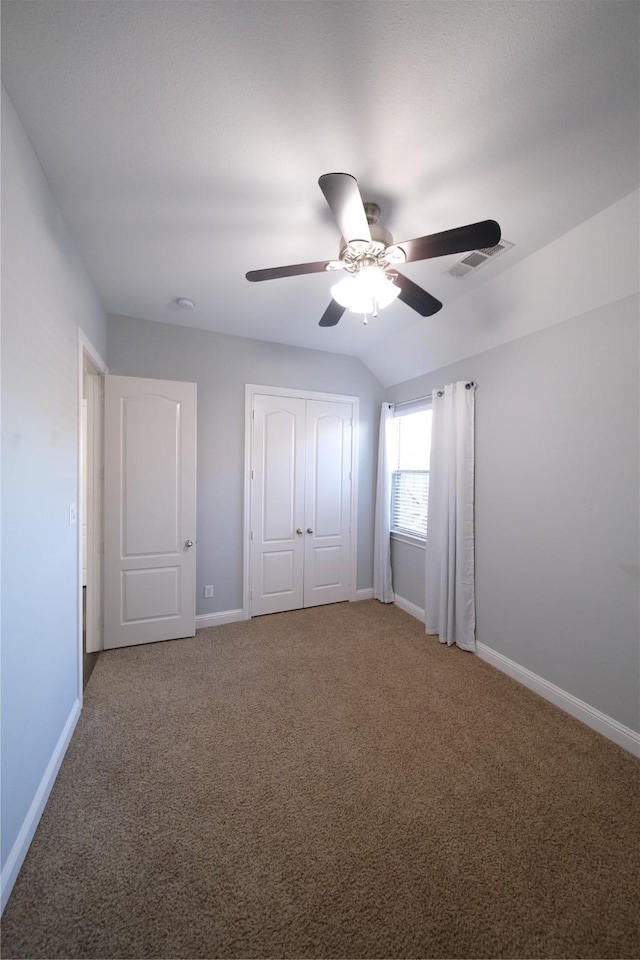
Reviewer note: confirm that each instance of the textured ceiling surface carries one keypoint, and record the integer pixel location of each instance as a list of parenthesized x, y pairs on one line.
[(183, 140)]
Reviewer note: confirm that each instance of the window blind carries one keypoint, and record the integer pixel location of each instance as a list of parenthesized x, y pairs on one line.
[(409, 498)]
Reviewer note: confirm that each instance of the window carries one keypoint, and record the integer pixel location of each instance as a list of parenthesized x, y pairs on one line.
[(410, 479)]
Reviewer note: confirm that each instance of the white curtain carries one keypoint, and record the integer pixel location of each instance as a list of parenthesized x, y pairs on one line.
[(450, 610), (382, 582)]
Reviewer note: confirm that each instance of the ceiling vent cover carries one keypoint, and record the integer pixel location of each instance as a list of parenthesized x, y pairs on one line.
[(471, 261)]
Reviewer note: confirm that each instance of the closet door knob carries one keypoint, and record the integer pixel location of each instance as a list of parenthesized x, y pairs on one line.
[(299, 530), (309, 530), (188, 543)]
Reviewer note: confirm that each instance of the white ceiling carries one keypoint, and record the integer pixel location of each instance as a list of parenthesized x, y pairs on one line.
[(183, 140)]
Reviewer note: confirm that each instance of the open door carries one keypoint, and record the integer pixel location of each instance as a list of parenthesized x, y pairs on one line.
[(92, 517), (149, 510)]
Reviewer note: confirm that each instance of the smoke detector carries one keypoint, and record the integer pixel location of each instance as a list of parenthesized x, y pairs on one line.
[(471, 261)]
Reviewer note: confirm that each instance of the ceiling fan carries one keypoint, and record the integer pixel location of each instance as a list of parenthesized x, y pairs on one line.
[(369, 256)]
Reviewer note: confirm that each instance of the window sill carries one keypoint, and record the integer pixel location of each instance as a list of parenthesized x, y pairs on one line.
[(408, 538)]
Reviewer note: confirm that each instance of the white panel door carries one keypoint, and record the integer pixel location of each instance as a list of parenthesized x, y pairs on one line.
[(301, 501), (327, 562), (277, 504), (150, 510)]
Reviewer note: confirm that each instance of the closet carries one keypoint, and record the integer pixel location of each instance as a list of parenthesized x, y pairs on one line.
[(301, 523)]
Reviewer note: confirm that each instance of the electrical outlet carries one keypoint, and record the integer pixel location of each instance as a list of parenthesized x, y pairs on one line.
[(208, 591)]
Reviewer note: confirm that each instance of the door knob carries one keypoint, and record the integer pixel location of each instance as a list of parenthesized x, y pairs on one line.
[(309, 530), (188, 543), (299, 530)]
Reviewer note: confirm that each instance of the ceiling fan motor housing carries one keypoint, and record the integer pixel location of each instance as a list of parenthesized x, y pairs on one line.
[(380, 237)]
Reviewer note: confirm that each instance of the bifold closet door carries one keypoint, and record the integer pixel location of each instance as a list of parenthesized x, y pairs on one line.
[(300, 503)]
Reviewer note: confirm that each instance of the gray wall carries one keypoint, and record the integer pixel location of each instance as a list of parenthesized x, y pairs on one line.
[(557, 480), (221, 365), (46, 296), (407, 564)]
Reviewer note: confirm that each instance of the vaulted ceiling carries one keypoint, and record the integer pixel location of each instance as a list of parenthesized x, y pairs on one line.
[(183, 140)]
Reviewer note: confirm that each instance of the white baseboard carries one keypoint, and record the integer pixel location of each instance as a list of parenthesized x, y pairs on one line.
[(204, 620), (409, 607), (607, 726), (366, 594), (218, 619), (19, 850)]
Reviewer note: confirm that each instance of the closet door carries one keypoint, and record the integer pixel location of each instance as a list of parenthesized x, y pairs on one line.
[(301, 501), (327, 537), (277, 504)]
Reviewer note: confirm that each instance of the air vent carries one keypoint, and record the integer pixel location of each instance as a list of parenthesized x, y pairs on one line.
[(471, 261)]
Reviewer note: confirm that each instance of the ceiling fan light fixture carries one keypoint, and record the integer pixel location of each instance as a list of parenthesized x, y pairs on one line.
[(367, 291), (369, 256)]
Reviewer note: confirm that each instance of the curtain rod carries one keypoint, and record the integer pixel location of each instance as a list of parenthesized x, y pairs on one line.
[(429, 396)]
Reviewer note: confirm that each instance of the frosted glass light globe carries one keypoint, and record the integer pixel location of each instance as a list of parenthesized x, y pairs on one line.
[(368, 290)]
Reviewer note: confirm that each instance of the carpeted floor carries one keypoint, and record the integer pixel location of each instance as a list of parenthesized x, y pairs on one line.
[(328, 783)]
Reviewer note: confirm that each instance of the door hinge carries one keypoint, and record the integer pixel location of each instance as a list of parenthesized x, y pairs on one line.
[(253, 474), (251, 538)]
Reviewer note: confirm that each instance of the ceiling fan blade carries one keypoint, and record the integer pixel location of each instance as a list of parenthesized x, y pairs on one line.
[(474, 236), (343, 196), (293, 270), (416, 298), (332, 314)]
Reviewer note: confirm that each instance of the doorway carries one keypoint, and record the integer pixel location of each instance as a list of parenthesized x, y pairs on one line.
[(90, 513)]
